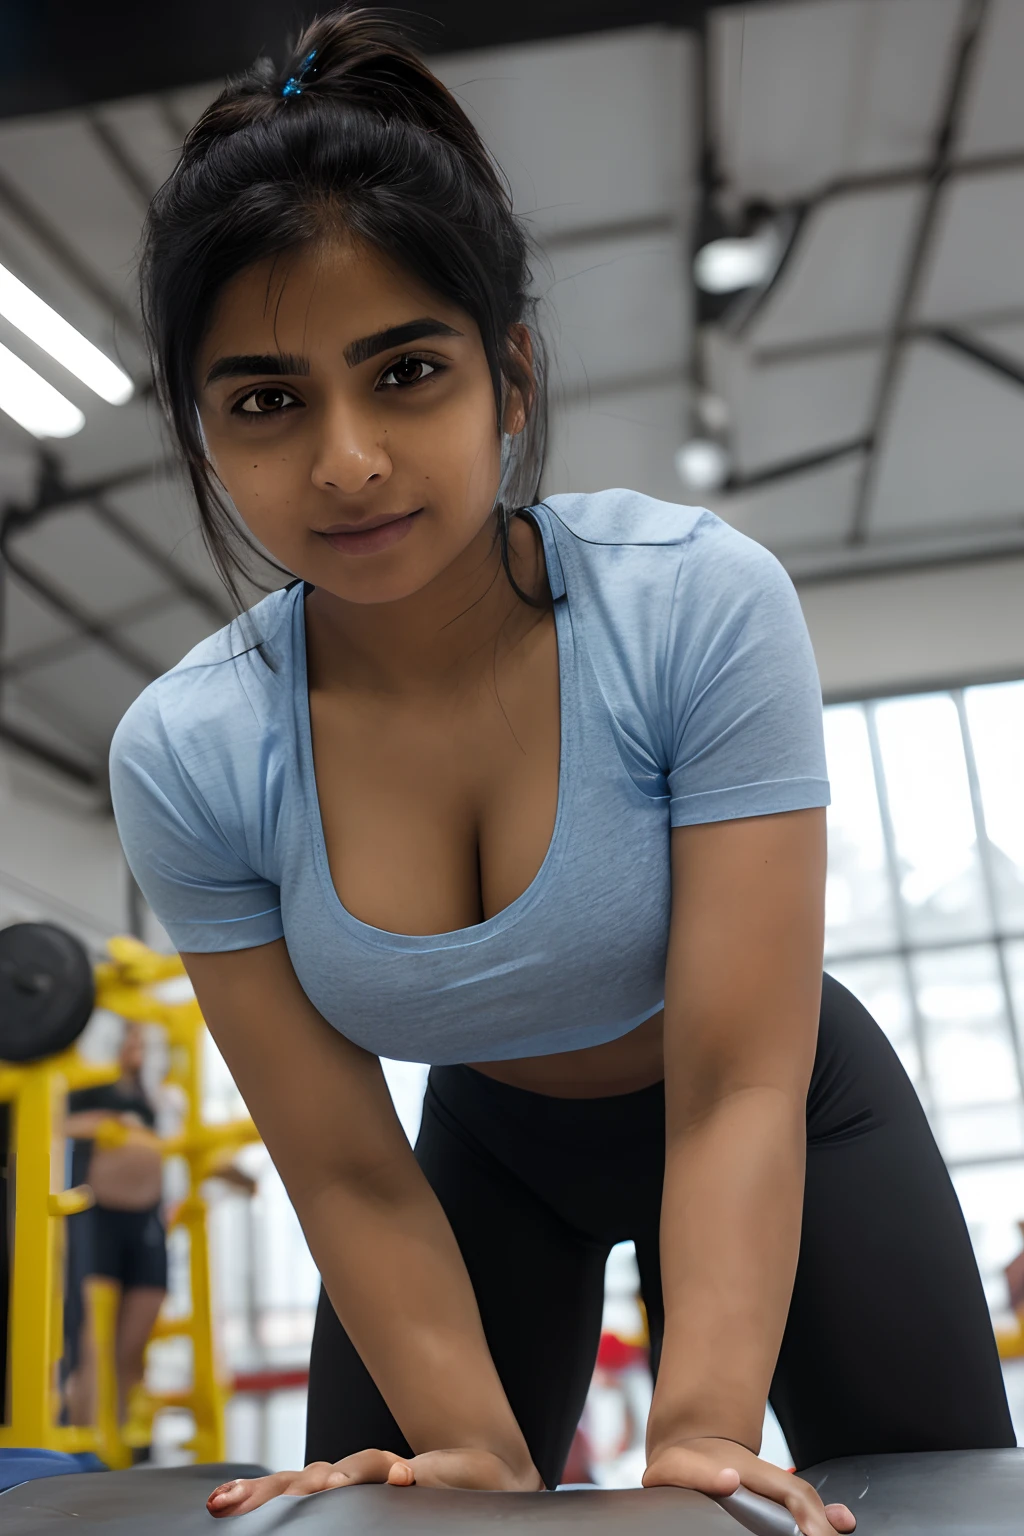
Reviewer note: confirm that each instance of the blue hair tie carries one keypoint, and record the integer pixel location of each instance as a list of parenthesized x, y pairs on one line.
[(293, 85)]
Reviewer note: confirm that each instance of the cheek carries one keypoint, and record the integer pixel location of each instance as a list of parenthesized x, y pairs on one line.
[(467, 455), (259, 481)]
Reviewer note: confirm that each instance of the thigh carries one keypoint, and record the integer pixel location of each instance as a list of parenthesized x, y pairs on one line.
[(140, 1307), (539, 1286), (888, 1345)]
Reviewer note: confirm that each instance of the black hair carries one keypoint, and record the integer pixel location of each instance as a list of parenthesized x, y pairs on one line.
[(353, 134)]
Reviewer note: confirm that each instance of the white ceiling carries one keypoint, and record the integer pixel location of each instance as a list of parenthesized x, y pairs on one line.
[(831, 107)]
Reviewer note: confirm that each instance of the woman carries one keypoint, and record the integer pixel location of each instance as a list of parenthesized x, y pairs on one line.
[(121, 1238), (530, 792)]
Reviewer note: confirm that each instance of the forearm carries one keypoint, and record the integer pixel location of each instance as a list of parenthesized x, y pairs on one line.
[(730, 1234), (396, 1278)]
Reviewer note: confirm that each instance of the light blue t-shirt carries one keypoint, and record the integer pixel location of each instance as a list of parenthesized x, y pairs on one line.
[(688, 694)]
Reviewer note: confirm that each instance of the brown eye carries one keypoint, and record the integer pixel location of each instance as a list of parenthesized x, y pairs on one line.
[(409, 370), (268, 401)]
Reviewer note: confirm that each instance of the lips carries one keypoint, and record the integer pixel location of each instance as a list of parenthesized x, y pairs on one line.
[(367, 524), (371, 536)]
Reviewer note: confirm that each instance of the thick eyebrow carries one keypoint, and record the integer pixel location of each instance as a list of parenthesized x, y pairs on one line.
[(242, 365), (395, 336)]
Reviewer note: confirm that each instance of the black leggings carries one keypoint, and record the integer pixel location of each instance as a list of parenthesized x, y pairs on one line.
[(888, 1345)]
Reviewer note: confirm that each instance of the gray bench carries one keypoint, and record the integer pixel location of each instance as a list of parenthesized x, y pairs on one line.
[(952, 1493)]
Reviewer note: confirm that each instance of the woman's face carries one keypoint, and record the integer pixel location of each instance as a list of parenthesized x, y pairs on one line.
[(349, 414)]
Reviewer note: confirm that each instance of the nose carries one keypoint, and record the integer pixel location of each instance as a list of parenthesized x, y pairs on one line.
[(352, 452)]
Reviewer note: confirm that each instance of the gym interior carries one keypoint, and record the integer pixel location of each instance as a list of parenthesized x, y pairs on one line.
[(779, 275)]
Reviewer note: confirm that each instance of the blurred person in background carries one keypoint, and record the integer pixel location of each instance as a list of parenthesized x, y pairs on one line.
[(122, 1237)]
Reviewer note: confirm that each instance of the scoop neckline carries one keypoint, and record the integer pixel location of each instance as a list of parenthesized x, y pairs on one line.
[(383, 938)]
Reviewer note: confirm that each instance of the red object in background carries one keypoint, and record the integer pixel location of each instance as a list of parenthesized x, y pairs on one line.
[(614, 1354), (271, 1381), (577, 1467)]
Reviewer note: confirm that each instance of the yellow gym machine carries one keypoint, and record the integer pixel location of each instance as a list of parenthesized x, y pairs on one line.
[(127, 984), (35, 1095)]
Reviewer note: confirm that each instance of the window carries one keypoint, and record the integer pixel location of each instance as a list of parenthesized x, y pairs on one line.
[(925, 923)]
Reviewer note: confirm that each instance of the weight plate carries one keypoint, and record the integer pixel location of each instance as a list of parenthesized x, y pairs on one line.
[(46, 990)]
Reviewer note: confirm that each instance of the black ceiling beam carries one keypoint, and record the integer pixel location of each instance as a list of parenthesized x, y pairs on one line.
[(61, 54), (54, 494), (988, 357), (53, 491), (28, 661), (974, 14), (104, 634), (186, 585), (789, 469), (826, 567), (43, 752), (845, 342)]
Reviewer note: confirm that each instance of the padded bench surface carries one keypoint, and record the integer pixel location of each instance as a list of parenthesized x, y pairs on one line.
[(940, 1493), (953, 1493)]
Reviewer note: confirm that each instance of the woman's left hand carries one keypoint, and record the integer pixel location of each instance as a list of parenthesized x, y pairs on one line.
[(718, 1467)]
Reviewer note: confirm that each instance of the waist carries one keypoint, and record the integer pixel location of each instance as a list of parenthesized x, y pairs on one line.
[(625, 1065)]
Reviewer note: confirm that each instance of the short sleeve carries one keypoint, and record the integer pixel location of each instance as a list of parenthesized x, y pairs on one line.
[(746, 735), (199, 886)]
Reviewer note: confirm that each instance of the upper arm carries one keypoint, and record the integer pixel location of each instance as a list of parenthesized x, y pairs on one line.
[(743, 978), (740, 692), (185, 845), (320, 1103), (748, 787)]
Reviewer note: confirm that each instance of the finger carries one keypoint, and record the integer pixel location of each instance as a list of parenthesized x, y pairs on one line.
[(370, 1466), (456, 1469), (245, 1493), (841, 1518), (799, 1497), (401, 1474)]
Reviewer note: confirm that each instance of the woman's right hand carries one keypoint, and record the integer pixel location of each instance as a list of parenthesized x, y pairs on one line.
[(464, 1468)]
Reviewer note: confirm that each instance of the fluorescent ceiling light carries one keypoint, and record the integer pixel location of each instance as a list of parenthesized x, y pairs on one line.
[(729, 265), (33, 403), (52, 332)]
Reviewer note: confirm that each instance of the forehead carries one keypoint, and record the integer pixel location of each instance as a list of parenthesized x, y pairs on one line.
[(318, 296)]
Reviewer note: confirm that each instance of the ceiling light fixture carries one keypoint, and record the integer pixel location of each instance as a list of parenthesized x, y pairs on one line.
[(702, 464), (33, 403), (55, 335), (732, 263)]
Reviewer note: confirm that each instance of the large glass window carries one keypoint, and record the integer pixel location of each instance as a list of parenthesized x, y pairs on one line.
[(925, 923)]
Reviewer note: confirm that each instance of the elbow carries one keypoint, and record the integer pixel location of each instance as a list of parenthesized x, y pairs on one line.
[(740, 1097), (384, 1183)]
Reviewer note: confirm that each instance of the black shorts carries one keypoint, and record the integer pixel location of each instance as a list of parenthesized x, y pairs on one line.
[(127, 1246)]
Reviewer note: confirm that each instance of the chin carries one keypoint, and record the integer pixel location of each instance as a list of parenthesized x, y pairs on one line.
[(371, 588)]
